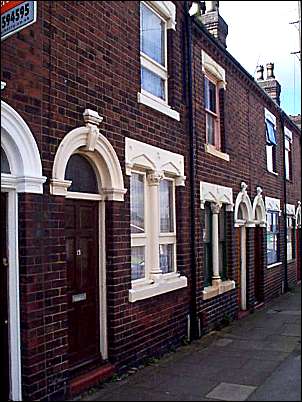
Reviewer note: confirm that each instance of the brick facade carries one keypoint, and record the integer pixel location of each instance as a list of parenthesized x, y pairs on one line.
[(56, 69)]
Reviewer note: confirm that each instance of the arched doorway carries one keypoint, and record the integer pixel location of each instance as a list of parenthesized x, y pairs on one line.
[(243, 220), (21, 171), (86, 172)]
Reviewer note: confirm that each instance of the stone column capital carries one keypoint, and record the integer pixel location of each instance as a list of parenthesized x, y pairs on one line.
[(154, 178), (215, 207)]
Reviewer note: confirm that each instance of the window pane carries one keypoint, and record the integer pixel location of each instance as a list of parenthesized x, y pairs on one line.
[(269, 158), (166, 258), (287, 175), (221, 221), (82, 175), (166, 206), (137, 203), (4, 162), (272, 244), (137, 263), (222, 260), (270, 133), (212, 96), (210, 129), (207, 223), (152, 83), (152, 35)]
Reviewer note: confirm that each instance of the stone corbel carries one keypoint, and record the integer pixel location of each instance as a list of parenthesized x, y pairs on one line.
[(180, 181), (59, 187)]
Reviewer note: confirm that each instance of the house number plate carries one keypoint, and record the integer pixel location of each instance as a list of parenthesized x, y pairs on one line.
[(78, 297)]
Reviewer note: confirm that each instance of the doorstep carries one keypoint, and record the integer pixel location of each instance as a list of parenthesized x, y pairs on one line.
[(87, 380), (243, 314)]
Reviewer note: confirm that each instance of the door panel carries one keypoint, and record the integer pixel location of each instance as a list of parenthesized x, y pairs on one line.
[(82, 236), (4, 388)]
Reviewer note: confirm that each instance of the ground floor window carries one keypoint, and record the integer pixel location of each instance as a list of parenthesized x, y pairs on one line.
[(290, 238), (273, 237)]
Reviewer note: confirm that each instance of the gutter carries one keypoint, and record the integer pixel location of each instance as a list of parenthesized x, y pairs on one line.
[(189, 82), (285, 202)]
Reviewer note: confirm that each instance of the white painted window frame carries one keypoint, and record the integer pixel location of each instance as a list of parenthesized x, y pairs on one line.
[(152, 65), (273, 205), (170, 237), (162, 164), (269, 148), (166, 12)]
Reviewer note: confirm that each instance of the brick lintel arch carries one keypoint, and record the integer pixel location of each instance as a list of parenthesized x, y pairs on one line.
[(88, 141)]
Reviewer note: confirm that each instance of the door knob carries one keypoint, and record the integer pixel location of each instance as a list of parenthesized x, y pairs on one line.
[(5, 261)]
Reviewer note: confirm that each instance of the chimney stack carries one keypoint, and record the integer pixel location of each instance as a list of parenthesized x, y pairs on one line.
[(270, 85), (214, 23)]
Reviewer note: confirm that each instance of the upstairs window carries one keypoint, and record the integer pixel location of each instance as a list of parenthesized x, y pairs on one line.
[(271, 142), (214, 86), (288, 154), (153, 45), (212, 112)]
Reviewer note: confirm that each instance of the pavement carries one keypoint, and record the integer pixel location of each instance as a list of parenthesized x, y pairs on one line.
[(257, 358)]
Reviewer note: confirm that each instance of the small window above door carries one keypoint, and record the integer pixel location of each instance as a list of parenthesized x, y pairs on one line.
[(82, 175)]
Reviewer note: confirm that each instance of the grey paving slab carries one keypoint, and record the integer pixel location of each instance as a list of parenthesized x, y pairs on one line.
[(284, 384), (292, 330), (231, 392)]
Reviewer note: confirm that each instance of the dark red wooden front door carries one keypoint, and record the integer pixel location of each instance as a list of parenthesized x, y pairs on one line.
[(4, 387), (258, 265), (82, 244)]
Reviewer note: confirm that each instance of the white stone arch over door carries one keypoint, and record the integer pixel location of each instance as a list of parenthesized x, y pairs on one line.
[(259, 210), (21, 150), (243, 201), (22, 153), (88, 141)]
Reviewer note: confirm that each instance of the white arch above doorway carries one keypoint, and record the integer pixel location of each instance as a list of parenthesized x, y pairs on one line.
[(22, 153), (243, 204), (88, 141), (259, 210)]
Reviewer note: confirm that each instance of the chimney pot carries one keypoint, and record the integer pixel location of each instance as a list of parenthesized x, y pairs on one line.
[(212, 6), (259, 73), (270, 71)]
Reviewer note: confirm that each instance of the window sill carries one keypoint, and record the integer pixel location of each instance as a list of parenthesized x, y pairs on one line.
[(276, 264), (217, 289), (291, 261), (165, 285), (271, 172), (210, 149), (159, 106)]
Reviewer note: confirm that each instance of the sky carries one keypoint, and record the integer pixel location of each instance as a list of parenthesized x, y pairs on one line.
[(259, 33)]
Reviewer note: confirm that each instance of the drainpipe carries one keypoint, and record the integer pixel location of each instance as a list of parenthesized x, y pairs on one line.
[(189, 79), (285, 202)]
